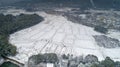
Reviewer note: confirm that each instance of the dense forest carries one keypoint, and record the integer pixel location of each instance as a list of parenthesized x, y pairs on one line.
[(83, 4), (10, 24)]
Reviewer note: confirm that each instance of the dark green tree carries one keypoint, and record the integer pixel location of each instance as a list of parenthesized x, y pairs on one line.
[(108, 62)]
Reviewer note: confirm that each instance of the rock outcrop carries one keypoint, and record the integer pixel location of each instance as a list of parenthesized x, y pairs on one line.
[(107, 42)]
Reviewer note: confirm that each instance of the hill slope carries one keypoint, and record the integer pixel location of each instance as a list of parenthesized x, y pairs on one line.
[(58, 35)]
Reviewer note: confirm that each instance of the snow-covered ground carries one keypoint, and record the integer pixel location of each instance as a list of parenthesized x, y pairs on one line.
[(114, 34), (58, 35), (50, 65), (1, 61)]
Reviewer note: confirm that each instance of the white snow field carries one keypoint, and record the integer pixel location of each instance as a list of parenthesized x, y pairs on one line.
[(58, 35)]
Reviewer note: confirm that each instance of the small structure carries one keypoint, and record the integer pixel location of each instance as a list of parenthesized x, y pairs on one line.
[(42, 65), (50, 65), (64, 63)]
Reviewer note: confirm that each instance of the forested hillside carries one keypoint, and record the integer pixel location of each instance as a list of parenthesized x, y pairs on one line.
[(10, 24)]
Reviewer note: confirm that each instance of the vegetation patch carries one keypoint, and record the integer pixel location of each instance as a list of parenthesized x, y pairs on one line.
[(108, 62), (44, 58), (8, 64), (10, 24), (101, 29)]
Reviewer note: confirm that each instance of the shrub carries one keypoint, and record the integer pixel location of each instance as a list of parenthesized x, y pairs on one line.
[(65, 56), (107, 62), (101, 29), (44, 58), (90, 59)]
